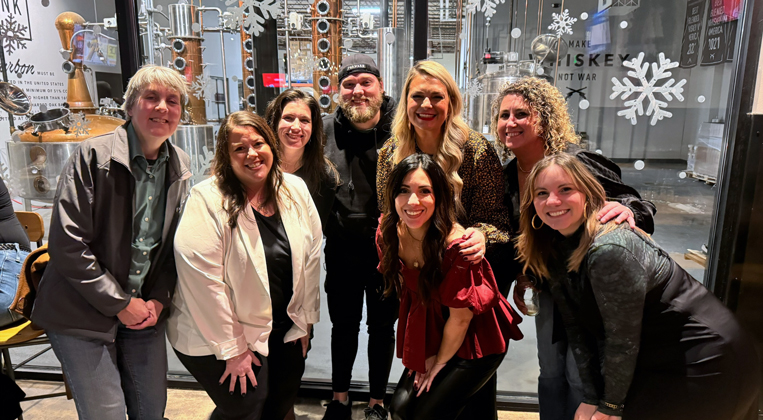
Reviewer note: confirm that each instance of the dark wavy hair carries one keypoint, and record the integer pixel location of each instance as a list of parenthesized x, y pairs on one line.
[(435, 240), (317, 166), (233, 191)]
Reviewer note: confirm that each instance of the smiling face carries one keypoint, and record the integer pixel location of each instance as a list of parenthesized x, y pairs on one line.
[(516, 123), (296, 125), (415, 201), (557, 200), (156, 113), (427, 105), (361, 96), (250, 157)]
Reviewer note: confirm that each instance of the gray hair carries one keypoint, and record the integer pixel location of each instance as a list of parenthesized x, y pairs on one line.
[(150, 74)]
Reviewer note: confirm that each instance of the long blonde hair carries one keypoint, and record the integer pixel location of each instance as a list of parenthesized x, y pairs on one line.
[(455, 132), (535, 246), (553, 123)]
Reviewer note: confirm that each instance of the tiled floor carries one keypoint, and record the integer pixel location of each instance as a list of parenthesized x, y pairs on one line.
[(182, 405)]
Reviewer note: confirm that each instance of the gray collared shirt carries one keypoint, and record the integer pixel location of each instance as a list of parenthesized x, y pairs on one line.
[(148, 214)]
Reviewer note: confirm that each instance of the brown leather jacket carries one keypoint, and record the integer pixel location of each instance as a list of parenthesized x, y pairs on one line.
[(83, 287)]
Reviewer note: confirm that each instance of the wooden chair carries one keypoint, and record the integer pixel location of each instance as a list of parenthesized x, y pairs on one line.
[(33, 225), (30, 335)]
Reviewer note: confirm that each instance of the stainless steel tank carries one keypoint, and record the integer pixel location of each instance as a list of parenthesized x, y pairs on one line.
[(394, 59), (35, 167), (479, 102), (199, 142)]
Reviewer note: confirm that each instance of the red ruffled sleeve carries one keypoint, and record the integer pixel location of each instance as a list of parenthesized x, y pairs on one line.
[(473, 286)]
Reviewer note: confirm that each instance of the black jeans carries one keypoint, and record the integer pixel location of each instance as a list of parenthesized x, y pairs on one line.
[(278, 380), (351, 271), (463, 389)]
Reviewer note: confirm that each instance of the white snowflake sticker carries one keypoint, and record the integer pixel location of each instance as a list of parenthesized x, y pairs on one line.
[(12, 34), (473, 88), (245, 15), (80, 124), (648, 88), (487, 6), (202, 87), (562, 23)]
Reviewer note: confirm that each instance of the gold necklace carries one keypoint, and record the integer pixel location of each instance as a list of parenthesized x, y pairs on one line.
[(416, 263), (520, 167)]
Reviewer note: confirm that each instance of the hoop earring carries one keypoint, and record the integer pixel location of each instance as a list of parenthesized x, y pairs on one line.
[(532, 222), (585, 210)]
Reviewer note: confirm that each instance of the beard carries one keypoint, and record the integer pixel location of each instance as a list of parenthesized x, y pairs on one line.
[(358, 116)]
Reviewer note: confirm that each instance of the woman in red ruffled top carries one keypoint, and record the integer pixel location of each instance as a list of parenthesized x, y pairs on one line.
[(455, 325)]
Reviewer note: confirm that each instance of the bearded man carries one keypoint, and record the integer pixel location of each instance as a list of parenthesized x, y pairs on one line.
[(354, 134)]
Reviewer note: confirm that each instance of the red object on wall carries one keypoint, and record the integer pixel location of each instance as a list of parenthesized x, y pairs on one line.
[(731, 9), (274, 79)]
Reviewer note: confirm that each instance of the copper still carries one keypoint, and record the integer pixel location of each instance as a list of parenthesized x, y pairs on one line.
[(327, 51), (186, 54), (77, 95)]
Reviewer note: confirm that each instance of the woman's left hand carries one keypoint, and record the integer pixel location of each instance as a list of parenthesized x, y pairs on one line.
[(601, 416), (425, 380), (304, 341), (616, 211), (473, 247)]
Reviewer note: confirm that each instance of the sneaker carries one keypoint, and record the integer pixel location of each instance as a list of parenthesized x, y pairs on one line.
[(338, 411), (376, 412)]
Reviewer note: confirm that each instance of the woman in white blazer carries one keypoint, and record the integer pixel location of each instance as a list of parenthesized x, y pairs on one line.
[(247, 251)]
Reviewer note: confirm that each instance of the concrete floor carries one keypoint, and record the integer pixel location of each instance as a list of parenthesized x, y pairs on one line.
[(684, 217), (183, 405)]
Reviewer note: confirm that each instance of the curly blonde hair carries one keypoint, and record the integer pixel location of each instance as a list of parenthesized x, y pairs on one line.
[(455, 131), (553, 122)]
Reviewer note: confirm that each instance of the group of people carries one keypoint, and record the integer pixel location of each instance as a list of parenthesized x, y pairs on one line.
[(420, 220)]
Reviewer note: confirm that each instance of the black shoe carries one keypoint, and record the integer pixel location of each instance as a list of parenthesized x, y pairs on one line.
[(376, 412), (338, 411)]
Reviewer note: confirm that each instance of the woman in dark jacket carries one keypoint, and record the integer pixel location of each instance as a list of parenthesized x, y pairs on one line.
[(295, 118), (531, 120), (651, 342)]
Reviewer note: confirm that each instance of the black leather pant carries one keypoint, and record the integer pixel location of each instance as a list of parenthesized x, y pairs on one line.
[(463, 389)]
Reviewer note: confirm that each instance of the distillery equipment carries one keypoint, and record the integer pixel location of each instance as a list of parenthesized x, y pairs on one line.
[(40, 148)]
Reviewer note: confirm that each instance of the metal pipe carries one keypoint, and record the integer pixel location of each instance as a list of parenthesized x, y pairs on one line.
[(149, 4), (384, 14), (460, 40), (524, 32), (408, 8), (202, 9), (288, 46)]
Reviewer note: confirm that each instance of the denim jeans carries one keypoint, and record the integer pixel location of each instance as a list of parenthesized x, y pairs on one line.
[(559, 386), (10, 268), (105, 377)]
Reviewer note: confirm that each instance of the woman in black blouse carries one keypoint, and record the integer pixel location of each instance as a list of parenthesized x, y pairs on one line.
[(295, 118), (531, 120), (14, 247), (651, 342)]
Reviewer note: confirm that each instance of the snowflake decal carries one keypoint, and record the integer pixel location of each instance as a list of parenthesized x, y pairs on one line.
[(80, 125), (473, 88), (12, 34), (487, 7), (648, 88), (245, 15), (562, 23), (202, 87)]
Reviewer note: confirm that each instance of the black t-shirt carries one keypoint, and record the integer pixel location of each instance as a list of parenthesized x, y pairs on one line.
[(278, 261), (11, 231)]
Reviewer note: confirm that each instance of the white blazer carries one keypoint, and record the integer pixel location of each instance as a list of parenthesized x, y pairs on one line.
[(222, 302)]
